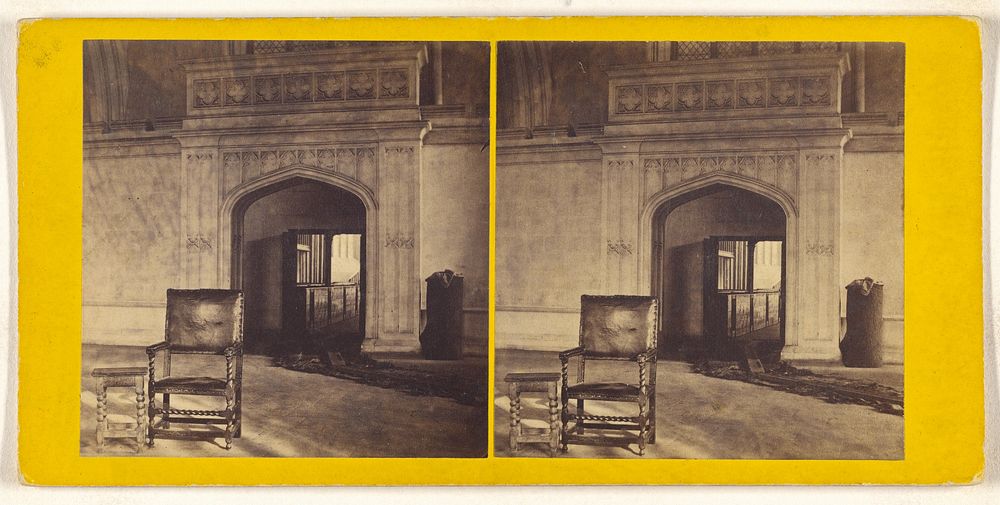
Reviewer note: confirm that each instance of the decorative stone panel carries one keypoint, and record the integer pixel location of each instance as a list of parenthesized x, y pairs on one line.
[(779, 170), (761, 86), (348, 78), (355, 162)]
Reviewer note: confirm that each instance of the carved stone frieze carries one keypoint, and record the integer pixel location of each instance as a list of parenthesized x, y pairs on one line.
[(620, 247), (620, 164), (690, 96), (398, 241), (660, 97), (775, 169), (783, 92), (237, 91), (629, 99), (330, 85), (267, 89), (361, 85), (199, 243), (720, 95), (298, 88), (393, 83), (302, 87), (816, 91), (750, 93), (248, 164), (710, 95), (206, 93), (819, 249)]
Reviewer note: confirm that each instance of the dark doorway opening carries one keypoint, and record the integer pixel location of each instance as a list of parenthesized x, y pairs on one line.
[(706, 245), (293, 244)]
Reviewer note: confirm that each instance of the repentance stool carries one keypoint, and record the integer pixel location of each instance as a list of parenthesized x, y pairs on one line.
[(543, 382), (134, 377)]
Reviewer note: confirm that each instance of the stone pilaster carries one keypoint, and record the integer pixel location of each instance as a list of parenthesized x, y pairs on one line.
[(816, 255), (399, 200), (198, 216), (620, 204)]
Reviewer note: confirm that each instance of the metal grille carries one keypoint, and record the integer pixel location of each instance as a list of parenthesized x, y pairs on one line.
[(820, 47), (295, 46), (694, 50), (735, 49), (767, 48)]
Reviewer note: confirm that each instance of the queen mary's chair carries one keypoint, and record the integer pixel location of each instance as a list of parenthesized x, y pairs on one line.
[(621, 328), (206, 322)]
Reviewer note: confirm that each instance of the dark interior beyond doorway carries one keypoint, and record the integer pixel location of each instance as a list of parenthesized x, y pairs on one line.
[(686, 270), (302, 268)]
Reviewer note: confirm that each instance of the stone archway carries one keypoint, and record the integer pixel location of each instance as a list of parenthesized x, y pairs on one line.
[(800, 171), (655, 239), (231, 221)]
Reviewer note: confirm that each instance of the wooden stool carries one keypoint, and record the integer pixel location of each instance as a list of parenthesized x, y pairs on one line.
[(544, 382), (134, 377)]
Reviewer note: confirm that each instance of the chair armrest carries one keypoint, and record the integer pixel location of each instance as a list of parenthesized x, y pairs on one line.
[(233, 350), (159, 346), (567, 354)]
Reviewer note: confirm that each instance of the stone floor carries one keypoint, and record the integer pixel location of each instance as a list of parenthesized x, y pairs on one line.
[(294, 414), (704, 417)]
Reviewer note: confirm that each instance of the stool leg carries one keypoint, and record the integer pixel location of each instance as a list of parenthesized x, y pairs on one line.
[(553, 419), (140, 413), (102, 413), (515, 415)]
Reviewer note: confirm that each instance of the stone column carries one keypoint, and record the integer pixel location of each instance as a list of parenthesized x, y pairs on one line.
[(620, 208), (815, 331), (399, 224), (198, 214)]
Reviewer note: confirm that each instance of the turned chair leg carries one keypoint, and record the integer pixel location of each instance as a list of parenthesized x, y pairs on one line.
[(102, 413), (553, 419), (150, 416), (579, 412), (165, 416), (140, 414), (643, 422), (515, 415), (563, 431), (652, 418)]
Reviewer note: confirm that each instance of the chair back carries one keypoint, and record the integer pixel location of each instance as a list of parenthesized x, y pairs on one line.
[(617, 327), (204, 320)]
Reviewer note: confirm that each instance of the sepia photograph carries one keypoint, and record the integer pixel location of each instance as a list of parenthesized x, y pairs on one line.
[(699, 250), (285, 248)]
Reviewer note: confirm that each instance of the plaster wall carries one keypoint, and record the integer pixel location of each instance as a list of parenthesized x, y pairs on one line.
[(872, 236), (548, 249), (454, 229), (131, 243)]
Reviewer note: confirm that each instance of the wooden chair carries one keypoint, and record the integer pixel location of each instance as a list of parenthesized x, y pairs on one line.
[(199, 321), (619, 328)]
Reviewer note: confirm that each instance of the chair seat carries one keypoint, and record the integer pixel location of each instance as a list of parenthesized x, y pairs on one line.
[(205, 385), (603, 391)]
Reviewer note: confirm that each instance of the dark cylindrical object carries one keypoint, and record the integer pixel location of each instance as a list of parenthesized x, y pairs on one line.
[(442, 336), (862, 343)]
